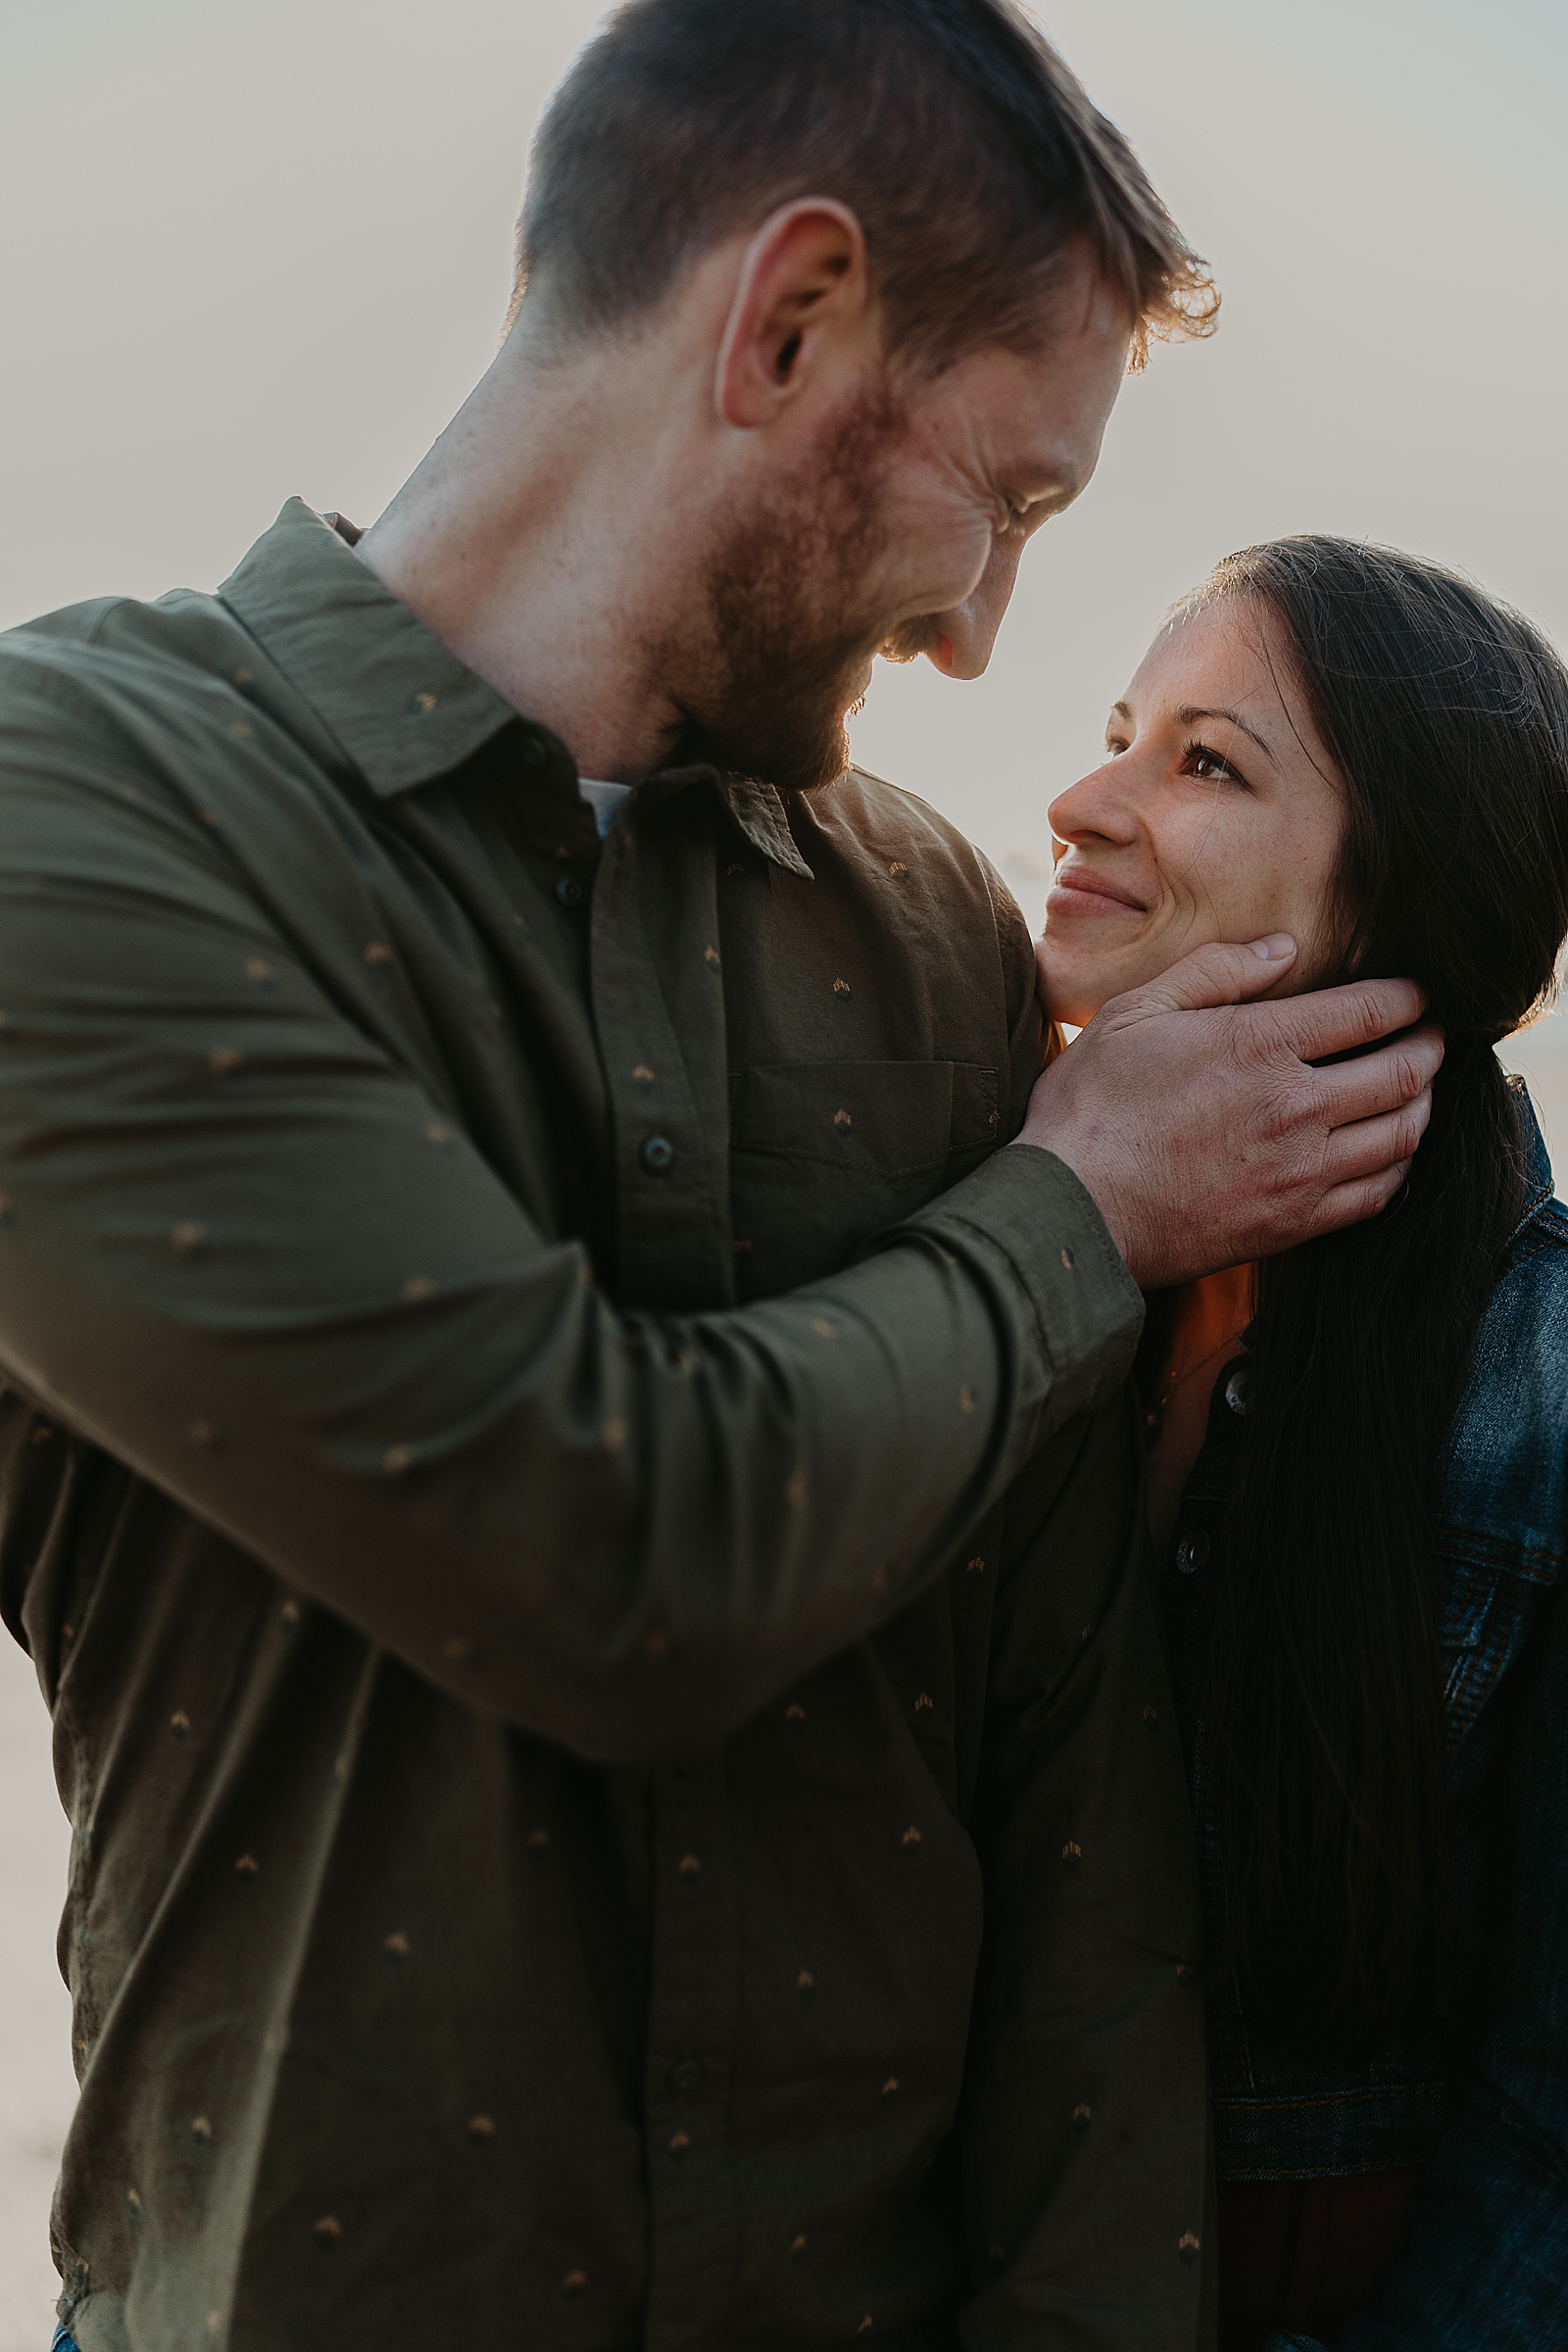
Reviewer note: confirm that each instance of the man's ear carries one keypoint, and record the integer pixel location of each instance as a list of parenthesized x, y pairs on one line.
[(803, 279)]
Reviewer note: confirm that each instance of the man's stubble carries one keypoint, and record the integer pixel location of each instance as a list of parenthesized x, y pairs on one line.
[(791, 621)]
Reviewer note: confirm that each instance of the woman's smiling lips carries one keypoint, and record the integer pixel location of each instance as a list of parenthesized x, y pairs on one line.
[(1080, 890)]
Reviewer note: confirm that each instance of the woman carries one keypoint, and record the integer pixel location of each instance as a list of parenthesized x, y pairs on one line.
[(1356, 1479)]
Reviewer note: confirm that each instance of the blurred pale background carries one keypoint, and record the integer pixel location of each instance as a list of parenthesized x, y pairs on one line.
[(246, 253)]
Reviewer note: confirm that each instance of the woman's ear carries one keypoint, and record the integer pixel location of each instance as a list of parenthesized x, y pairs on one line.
[(803, 282)]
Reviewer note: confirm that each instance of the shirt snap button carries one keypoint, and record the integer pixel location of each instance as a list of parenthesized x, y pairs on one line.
[(1192, 1552), (684, 2077), (658, 1155), (571, 893), (1238, 1389)]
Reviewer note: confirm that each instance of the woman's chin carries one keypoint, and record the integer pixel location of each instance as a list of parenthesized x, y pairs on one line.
[(1069, 997)]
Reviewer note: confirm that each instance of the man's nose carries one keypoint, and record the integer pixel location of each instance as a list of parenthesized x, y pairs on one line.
[(970, 628)]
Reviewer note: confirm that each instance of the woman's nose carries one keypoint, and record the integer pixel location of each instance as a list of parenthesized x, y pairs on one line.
[(1094, 807)]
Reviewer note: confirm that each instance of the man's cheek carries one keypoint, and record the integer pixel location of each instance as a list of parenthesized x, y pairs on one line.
[(938, 557)]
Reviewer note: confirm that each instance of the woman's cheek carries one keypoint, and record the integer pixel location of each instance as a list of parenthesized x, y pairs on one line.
[(1222, 887)]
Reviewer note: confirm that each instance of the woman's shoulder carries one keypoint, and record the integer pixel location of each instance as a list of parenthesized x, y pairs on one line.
[(1533, 1281), (1502, 1476)]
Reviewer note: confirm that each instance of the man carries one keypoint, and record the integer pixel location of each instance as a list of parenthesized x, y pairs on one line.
[(563, 1557)]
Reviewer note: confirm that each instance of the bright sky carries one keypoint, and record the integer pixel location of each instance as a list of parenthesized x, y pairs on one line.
[(245, 253)]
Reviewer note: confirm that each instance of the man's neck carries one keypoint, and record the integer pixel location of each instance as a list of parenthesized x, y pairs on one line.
[(544, 540)]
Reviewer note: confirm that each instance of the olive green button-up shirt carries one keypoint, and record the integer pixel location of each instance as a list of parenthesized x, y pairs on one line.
[(546, 1472)]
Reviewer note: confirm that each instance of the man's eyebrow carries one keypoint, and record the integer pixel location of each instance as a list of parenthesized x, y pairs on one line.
[(1189, 714)]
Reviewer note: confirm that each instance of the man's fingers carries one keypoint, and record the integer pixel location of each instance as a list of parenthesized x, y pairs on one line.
[(1333, 1021), (1372, 1146), (1374, 1082), (1352, 1203), (1217, 974)]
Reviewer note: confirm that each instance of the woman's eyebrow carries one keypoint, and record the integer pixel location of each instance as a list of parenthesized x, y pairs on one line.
[(1189, 714)]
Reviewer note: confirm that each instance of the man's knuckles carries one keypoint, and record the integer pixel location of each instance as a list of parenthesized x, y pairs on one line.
[(1409, 1126), (1412, 1073)]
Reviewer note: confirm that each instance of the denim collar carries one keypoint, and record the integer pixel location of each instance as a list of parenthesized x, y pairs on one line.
[(1538, 1160)]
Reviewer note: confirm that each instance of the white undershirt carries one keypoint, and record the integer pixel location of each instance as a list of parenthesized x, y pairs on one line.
[(603, 800)]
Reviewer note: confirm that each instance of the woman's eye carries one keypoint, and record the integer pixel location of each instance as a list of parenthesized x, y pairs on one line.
[(1210, 766)]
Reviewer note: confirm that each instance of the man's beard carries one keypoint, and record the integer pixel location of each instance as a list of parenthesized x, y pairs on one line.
[(791, 630)]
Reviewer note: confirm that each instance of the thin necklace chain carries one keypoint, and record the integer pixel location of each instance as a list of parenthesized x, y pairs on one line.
[(1192, 1371)]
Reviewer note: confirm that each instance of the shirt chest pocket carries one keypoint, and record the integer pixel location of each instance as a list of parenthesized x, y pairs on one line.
[(824, 1154)]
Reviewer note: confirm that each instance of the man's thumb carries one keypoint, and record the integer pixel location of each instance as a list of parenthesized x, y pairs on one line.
[(1218, 974)]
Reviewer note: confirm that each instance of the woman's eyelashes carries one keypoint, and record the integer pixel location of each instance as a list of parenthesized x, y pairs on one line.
[(1197, 758), (1203, 760)]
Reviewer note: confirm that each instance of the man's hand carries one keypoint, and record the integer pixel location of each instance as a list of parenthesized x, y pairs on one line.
[(1195, 1123)]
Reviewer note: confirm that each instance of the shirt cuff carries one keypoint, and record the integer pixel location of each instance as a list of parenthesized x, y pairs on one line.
[(1087, 1311)]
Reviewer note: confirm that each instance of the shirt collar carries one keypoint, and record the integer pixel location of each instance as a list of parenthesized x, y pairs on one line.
[(1538, 1160), (759, 811), (402, 706)]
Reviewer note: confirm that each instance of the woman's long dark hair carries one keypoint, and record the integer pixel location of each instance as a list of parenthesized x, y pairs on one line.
[(1445, 716)]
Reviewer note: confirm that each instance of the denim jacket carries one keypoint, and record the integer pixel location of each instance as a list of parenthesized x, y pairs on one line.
[(1483, 2106)]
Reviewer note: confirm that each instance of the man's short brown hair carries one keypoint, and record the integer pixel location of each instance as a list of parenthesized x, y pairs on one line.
[(968, 150)]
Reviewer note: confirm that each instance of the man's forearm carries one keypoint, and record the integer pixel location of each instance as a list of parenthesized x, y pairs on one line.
[(303, 1305)]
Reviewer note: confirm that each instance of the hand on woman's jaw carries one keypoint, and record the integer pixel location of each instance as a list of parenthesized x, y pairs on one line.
[(1216, 816)]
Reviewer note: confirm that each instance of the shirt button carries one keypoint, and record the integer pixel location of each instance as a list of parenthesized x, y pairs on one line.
[(569, 891), (684, 2077), (533, 755), (658, 1155), (1192, 1552), (1238, 1389)]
